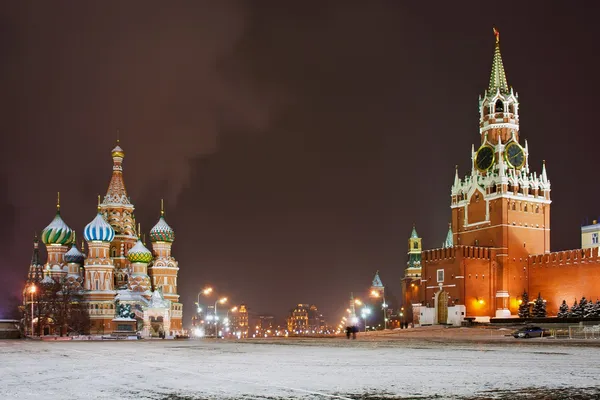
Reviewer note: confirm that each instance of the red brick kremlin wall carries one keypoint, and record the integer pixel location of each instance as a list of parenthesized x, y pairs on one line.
[(564, 275)]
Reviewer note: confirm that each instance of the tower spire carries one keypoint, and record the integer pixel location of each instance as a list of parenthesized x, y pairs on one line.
[(162, 208), (116, 193), (57, 201), (449, 242), (498, 76)]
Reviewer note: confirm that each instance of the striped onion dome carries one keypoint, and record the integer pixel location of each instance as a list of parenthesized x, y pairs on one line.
[(98, 230), (74, 255), (139, 253), (57, 232), (162, 232)]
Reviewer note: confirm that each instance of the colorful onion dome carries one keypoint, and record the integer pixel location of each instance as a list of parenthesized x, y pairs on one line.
[(162, 232), (74, 255), (98, 230), (139, 253), (57, 232)]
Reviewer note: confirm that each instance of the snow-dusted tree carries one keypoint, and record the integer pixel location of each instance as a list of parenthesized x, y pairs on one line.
[(575, 311), (539, 307), (563, 310), (589, 310), (524, 306)]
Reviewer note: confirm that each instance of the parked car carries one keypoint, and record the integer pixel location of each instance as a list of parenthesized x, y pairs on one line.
[(529, 332)]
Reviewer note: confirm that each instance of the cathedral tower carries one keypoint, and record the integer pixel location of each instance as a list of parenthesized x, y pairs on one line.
[(412, 277), (57, 236), (117, 209), (99, 273), (164, 268), (502, 204), (413, 266), (74, 259), (139, 257)]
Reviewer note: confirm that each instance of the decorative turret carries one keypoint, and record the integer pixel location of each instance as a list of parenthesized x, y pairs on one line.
[(98, 230), (74, 259), (116, 194), (449, 242), (117, 210), (499, 107), (163, 270), (74, 255), (35, 268), (162, 232), (413, 268), (139, 257), (99, 267), (139, 253), (57, 232), (56, 236)]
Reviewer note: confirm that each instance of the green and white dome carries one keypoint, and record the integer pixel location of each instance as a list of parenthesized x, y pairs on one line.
[(57, 232)]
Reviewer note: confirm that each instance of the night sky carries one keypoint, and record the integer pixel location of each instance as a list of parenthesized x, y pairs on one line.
[(295, 143)]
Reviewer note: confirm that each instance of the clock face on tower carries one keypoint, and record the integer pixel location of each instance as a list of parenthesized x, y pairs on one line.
[(485, 158), (515, 156)]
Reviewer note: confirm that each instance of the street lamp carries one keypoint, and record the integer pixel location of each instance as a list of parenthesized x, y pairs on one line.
[(205, 292), (222, 301), (375, 293), (32, 290), (365, 312)]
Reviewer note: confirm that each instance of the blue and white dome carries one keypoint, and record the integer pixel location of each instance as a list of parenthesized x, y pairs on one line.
[(98, 230), (74, 255)]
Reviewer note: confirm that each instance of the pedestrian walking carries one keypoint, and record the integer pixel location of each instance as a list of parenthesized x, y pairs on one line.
[(348, 332)]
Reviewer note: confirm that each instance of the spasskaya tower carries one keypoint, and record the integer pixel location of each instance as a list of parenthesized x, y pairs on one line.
[(502, 205)]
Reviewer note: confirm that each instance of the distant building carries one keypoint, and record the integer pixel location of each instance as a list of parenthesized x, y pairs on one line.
[(304, 319), (239, 321), (590, 235)]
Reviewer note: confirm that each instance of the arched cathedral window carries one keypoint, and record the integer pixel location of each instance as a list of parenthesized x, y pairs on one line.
[(499, 106)]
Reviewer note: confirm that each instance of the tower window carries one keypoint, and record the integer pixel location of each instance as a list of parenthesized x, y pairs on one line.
[(415, 245), (511, 108), (595, 238), (499, 106)]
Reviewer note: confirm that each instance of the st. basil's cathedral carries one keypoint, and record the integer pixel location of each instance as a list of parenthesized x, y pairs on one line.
[(119, 272)]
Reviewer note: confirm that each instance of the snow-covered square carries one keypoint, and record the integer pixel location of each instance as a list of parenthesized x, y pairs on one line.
[(393, 367)]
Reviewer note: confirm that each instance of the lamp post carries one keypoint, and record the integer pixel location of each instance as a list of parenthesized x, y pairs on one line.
[(375, 293), (365, 312), (222, 301), (32, 290), (205, 292)]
